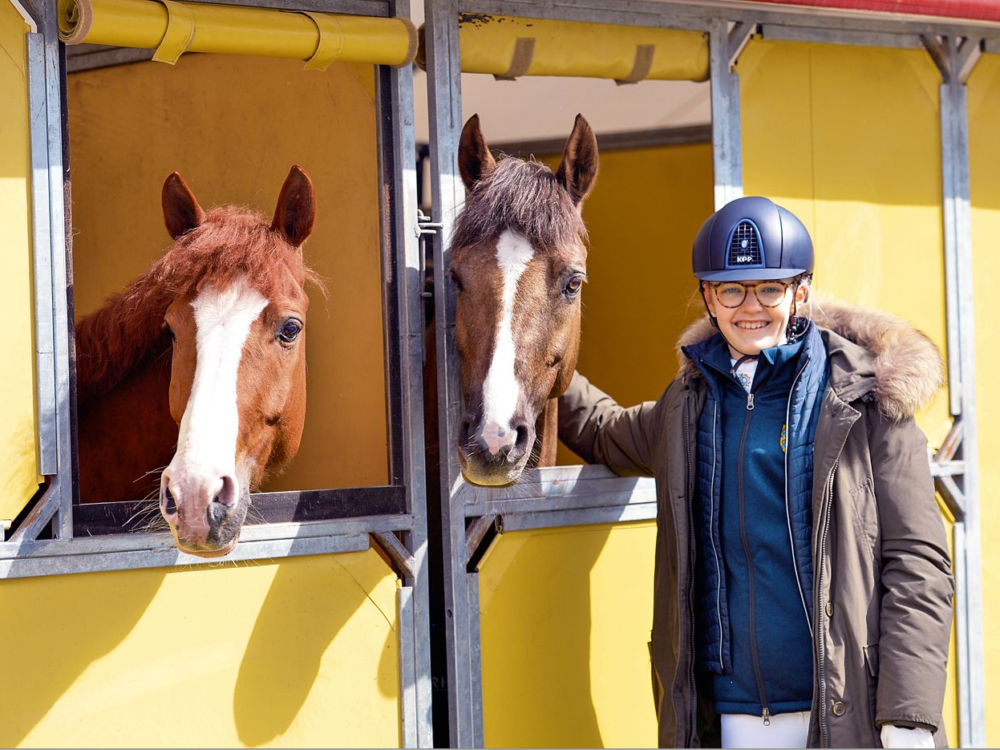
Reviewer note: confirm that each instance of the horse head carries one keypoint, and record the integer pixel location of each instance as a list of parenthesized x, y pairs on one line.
[(518, 262), (238, 374)]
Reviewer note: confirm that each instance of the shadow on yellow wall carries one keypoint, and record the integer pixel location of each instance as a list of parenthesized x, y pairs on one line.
[(305, 647)]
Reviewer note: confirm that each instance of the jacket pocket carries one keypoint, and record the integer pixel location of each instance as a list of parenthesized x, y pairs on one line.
[(871, 660), (865, 516), (871, 678)]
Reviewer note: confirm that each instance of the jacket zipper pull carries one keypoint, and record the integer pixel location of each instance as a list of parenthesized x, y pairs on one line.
[(767, 717), (749, 402)]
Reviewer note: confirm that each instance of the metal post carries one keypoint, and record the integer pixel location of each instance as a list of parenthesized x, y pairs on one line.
[(727, 152), (465, 723), (955, 60)]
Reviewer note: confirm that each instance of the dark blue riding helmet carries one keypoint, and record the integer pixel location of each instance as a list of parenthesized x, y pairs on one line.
[(752, 238)]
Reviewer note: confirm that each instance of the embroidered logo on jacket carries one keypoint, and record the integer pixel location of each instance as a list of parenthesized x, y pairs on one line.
[(783, 441)]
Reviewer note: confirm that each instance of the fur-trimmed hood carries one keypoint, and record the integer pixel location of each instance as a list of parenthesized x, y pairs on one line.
[(871, 352)]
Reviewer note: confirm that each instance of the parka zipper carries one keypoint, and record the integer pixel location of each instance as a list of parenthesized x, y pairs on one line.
[(691, 563), (820, 609), (765, 709)]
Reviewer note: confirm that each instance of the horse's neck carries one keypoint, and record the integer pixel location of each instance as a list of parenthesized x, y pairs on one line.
[(127, 435), (120, 337), (547, 433)]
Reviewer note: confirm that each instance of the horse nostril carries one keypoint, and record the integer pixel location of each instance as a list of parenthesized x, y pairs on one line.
[(227, 495), (522, 438), (169, 504), (464, 428)]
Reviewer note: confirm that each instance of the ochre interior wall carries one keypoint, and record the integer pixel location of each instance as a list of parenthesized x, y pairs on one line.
[(984, 166), (298, 653), (848, 138), (18, 465), (232, 126)]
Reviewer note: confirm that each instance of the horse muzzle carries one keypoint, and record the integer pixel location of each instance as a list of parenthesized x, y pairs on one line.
[(204, 509), (494, 455)]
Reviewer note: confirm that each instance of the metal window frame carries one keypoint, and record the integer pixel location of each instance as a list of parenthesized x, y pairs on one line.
[(566, 496), (399, 532)]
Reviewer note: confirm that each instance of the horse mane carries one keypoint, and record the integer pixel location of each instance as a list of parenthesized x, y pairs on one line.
[(128, 330), (522, 196)]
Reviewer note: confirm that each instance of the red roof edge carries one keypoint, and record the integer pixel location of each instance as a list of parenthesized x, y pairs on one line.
[(979, 10)]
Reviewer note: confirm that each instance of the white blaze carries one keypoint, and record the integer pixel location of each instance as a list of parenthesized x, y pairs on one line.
[(501, 389), (210, 425)]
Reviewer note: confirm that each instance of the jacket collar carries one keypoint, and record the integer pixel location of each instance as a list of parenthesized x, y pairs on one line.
[(870, 352)]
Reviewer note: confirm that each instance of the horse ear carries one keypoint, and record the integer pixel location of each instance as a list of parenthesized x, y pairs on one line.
[(474, 158), (296, 211), (578, 169), (181, 211)]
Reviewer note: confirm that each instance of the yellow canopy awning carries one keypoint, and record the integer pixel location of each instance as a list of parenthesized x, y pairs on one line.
[(173, 28), (510, 47)]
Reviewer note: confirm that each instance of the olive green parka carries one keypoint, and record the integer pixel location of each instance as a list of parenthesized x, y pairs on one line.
[(882, 582)]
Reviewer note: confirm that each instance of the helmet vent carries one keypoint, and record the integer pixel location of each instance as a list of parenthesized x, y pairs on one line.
[(744, 246)]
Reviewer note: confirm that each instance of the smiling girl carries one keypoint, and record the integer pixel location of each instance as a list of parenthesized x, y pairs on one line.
[(803, 584)]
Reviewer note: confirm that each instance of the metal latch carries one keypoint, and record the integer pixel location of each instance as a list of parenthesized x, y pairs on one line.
[(424, 228)]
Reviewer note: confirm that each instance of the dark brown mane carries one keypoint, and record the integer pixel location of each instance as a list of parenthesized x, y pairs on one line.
[(523, 196), (128, 329)]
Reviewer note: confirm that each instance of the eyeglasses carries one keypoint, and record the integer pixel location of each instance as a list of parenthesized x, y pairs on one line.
[(731, 294)]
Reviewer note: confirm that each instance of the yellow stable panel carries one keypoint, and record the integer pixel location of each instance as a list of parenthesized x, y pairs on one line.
[(300, 653), (565, 626), (848, 138), (18, 464), (232, 126), (511, 47), (984, 166)]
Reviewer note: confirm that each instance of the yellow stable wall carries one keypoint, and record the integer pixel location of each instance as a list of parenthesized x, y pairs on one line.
[(984, 159), (300, 653), (566, 612), (233, 126), (848, 138), (18, 464)]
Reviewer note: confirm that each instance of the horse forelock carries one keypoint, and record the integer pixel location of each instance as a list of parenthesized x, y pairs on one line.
[(231, 243), (524, 197)]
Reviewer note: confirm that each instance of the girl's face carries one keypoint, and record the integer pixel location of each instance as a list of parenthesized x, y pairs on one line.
[(749, 326)]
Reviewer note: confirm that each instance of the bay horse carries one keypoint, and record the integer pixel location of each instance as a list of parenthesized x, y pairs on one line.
[(205, 352), (518, 262)]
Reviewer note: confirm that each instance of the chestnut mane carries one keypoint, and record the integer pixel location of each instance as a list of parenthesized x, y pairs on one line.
[(128, 330), (523, 196)]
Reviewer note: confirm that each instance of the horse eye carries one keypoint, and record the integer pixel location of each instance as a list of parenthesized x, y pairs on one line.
[(573, 285), (173, 336), (455, 280), (290, 330)]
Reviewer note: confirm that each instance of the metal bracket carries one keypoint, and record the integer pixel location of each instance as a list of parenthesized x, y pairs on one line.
[(955, 57), (739, 37), (395, 553), (479, 536)]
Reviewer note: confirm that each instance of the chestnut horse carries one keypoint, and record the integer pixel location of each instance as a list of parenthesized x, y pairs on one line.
[(205, 352), (518, 261)]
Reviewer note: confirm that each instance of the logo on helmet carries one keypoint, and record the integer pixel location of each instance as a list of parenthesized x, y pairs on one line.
[(745, 248)]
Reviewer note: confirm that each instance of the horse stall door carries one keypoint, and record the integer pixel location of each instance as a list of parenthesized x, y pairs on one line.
[(294, 652), (561, 602), (566, 612)]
